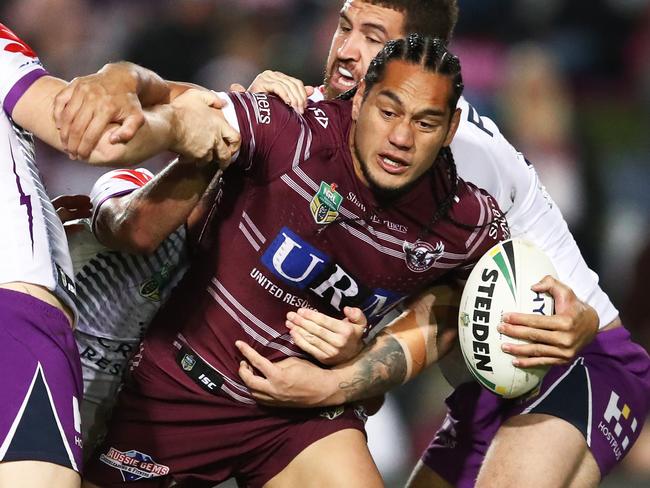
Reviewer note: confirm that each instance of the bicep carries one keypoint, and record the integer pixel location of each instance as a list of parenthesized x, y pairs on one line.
[(34, 110)]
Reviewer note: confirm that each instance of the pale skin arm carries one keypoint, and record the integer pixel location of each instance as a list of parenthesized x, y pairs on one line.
[(191, 126), (115, 94), (32, 113)]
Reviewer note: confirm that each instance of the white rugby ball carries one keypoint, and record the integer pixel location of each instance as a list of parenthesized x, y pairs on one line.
[(501, 282)]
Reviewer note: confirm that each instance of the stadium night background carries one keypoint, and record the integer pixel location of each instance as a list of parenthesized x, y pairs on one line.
[(568, 82)]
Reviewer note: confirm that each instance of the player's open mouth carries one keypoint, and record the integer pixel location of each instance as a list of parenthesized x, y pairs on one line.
[(392, 165), (343, 78)]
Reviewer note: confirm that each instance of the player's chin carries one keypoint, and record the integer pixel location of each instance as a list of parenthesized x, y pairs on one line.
[(390, 187)]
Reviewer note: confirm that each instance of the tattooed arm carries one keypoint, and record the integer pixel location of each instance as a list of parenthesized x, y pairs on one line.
[(420, 336)]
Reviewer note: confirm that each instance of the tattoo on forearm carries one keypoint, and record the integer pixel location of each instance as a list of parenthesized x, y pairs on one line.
[(381, 366)]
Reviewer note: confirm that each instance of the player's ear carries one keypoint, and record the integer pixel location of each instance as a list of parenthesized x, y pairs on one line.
[(453, 125), (357, 100)]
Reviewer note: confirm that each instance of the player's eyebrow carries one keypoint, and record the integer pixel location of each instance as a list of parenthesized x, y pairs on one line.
[(433, 112), (390, 94), (366, 25)]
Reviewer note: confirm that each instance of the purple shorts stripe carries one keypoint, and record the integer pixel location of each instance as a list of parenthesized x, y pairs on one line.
[(21, 87), (40, 377), (613, 378)]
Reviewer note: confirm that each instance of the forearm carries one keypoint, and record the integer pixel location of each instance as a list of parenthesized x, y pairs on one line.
[(420, 336), (155, 136), (33, 113), (150, 88), (140, 221), (382, 365)]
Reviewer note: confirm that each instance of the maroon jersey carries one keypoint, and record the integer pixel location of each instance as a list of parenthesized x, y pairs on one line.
[(297, 228)]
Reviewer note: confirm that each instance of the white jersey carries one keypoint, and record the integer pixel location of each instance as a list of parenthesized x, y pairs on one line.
[(33, 244), (119, 293), (485, 158)]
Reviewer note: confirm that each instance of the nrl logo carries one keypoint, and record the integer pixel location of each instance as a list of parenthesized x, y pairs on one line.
[(421, 256), (188, 362), (464, 319), (325, 204), (150, 289)]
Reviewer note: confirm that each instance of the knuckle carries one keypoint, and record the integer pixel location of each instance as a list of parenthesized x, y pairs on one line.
[(566, 323)]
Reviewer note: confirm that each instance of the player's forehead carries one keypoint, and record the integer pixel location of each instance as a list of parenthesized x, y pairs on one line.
[(414, 88), (363, 13)]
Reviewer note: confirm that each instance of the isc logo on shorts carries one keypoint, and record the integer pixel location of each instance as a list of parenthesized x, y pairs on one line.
[(301, 265), (615, 421)]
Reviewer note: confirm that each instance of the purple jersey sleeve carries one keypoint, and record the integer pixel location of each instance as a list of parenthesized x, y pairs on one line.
[(19, 66)]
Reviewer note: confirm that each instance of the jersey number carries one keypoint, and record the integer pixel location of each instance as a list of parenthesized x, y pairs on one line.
[(474, 118)]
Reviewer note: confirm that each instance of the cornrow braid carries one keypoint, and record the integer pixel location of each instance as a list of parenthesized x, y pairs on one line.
[(429, 52)]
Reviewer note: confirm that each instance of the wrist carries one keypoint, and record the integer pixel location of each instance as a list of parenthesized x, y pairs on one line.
[(333, 393), (176, 132), (122, 74)]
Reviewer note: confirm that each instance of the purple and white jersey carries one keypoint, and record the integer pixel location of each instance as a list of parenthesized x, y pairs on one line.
[(530, 211), (33, 244), (119, 293)]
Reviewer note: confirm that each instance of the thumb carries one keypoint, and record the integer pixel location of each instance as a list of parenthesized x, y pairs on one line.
[(230, 135), (211, 99), (310, 90), (355, 316), (218, 103), (545, 284), (236, 87), (556, 288)]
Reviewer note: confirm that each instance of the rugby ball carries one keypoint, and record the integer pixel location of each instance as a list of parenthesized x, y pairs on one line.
[(501, 282)]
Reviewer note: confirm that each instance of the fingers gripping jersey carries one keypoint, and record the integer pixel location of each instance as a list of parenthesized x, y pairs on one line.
[(33, 246), (297, 228)]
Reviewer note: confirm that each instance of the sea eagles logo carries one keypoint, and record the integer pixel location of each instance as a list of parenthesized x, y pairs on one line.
[(325, 204), (420, 255)]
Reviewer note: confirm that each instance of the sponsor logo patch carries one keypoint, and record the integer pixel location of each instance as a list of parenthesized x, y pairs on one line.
[(325, 204), (188, 362), (618, 425), (133, 465), (150, 289)]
